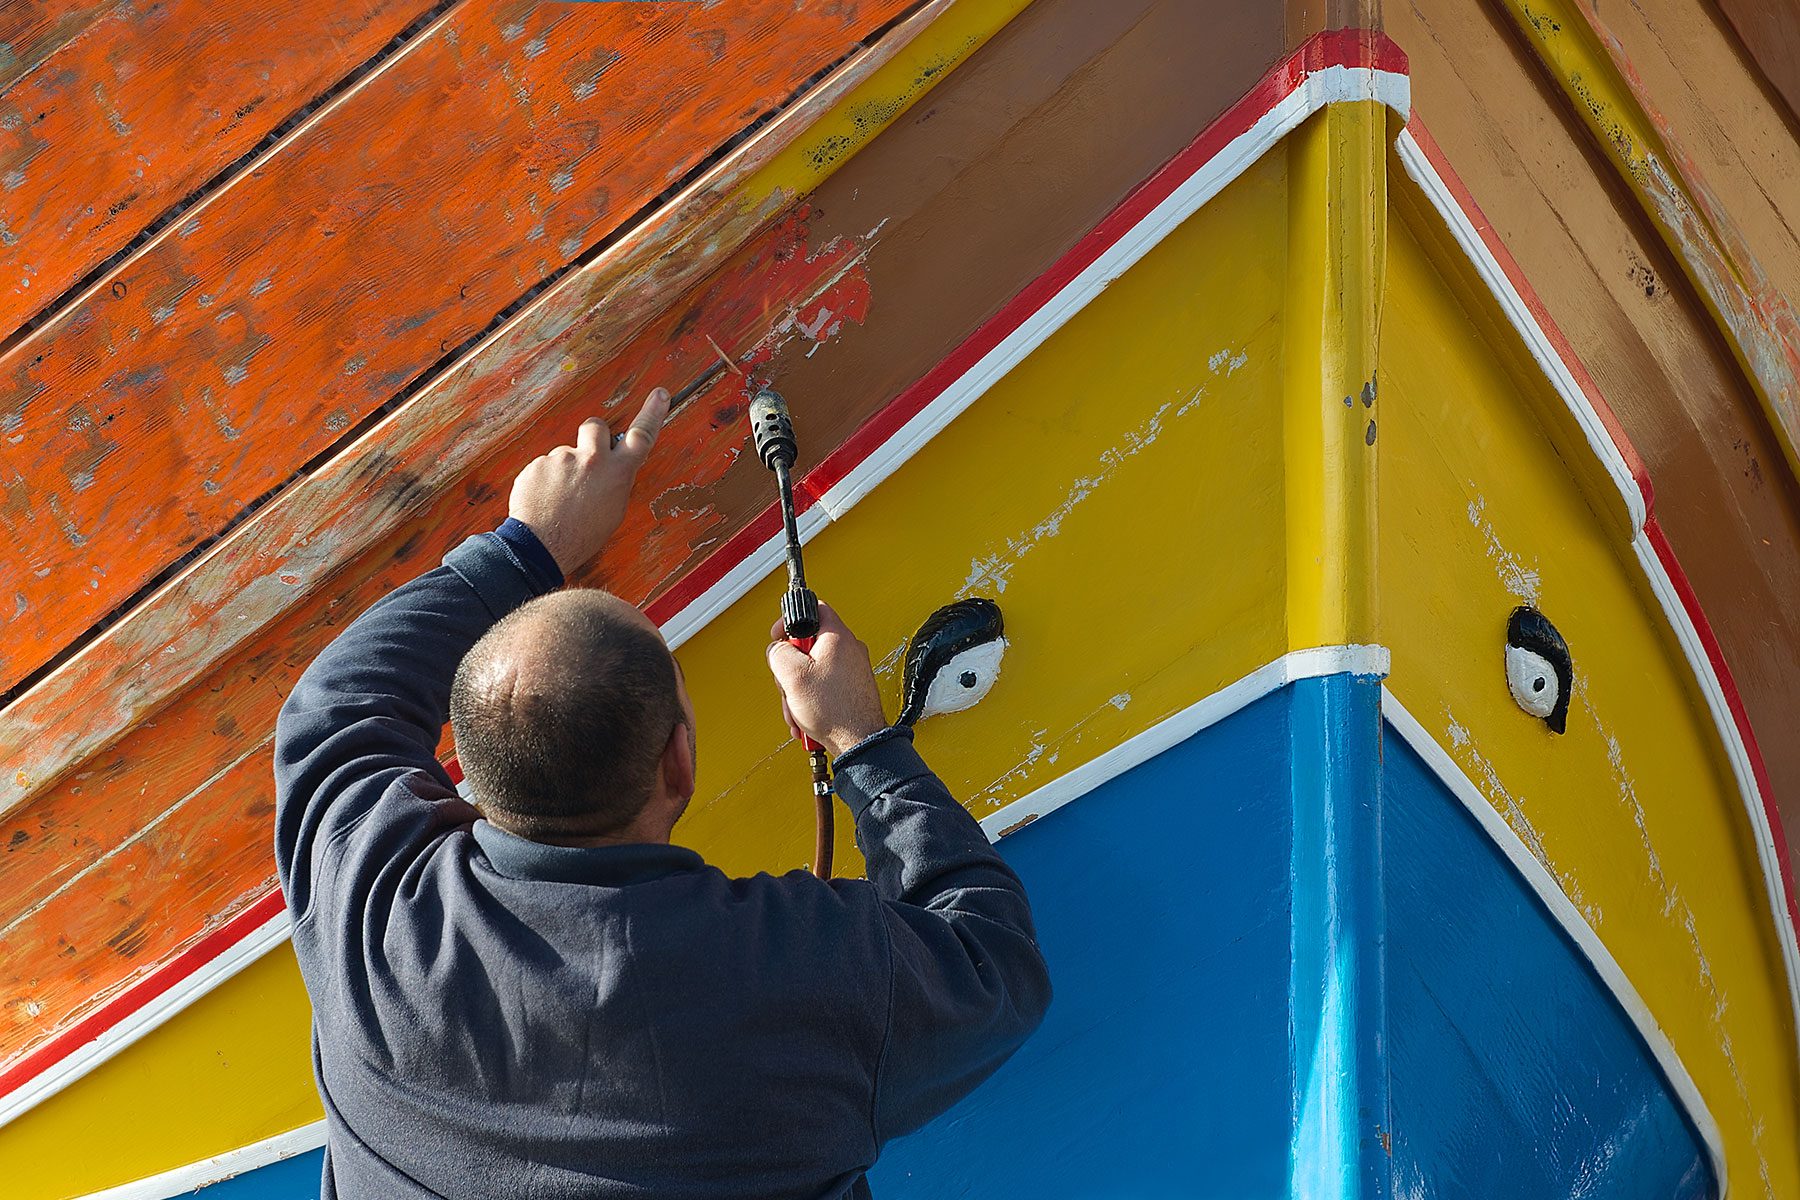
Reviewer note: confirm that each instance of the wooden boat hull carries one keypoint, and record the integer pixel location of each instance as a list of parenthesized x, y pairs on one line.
[(1257, 464)]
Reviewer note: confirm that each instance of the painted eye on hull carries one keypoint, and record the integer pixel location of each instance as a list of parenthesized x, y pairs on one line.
[(953, 660), (1539, 672)]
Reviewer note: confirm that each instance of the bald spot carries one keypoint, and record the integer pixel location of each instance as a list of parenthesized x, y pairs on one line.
[(562, 710)]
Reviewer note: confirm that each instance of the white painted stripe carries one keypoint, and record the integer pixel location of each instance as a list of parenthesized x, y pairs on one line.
[(1172, 731), (1328, 86), (1537, 342), (191, 1178), (111, 1041), (1550, 893), (757, 566), (1737, 753)]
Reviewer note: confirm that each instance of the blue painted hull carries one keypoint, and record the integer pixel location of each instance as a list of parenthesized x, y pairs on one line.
[(1288, 962)]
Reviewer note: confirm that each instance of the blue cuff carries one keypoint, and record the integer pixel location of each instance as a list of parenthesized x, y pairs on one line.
[(878, 764), (525, 544)]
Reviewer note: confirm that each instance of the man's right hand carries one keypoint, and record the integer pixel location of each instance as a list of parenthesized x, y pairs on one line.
[(830, 695)]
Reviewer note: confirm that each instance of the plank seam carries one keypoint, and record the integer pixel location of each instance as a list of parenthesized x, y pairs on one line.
[(447, 363), (226, 175), (1330, 68)]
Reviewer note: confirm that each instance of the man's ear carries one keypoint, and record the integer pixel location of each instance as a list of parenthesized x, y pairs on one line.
[(678, 763)]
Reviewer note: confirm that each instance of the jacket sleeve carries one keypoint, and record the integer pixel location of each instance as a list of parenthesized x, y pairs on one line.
[(968, 984), (356, 741)]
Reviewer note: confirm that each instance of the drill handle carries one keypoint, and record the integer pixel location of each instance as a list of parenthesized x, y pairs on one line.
[(804, 645)]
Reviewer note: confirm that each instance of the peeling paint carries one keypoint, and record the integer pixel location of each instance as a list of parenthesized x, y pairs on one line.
[(991, 570), (1519, 580)]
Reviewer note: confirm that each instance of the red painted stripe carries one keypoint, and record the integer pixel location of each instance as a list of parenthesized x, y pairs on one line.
[(1345, 48), (203, 951), (1740, 716)]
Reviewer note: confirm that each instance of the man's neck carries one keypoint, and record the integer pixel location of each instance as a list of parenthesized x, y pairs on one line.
[(644, 830)]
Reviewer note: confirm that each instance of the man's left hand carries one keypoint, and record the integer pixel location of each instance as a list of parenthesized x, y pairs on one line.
[(574, 497)]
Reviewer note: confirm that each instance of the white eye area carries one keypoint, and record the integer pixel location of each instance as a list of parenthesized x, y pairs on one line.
[(1532, 681), (965, 679)]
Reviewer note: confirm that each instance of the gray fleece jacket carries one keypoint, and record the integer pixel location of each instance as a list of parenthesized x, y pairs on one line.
[(496, 1018)]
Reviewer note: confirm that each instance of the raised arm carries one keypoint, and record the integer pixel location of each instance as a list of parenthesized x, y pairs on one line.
[(356, 741), (968, 983)]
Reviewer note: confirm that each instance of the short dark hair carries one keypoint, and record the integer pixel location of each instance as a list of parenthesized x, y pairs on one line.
[(561, 712)]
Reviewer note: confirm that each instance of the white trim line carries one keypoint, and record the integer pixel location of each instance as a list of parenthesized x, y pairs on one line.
[(1330, 85), (1173, 730), (1537, 342), (756, 566), (1736, 752), (205, 978), (1549, 892), (196, 1175)]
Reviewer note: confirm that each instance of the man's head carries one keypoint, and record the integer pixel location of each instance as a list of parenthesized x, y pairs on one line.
[(572, 722)]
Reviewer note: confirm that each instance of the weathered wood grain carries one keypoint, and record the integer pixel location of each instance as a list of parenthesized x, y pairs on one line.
[(250, 336), (283, 554), (112, 127), (185, 796), (975, 176), (33, 30), (1770, 33), (1582, 57)]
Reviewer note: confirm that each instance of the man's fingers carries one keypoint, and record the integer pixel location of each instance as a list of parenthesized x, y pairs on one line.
[(830, 622), (785, 660), (647, 424), (592, 436)]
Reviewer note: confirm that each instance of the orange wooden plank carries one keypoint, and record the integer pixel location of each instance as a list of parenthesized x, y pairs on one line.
[(250, 336), (32, 30), (279, 558), (186, 796), (115, 125)]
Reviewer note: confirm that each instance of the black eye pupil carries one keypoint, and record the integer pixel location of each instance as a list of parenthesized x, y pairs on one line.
[(967, 679), (1537, 685)]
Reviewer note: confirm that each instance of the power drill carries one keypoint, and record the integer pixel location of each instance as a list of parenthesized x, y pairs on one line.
[(773, 433)]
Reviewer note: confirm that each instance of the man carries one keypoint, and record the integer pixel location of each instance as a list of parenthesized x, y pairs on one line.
[(537, 995)]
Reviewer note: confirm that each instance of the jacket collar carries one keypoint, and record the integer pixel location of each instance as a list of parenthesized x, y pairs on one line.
[(603, 866)]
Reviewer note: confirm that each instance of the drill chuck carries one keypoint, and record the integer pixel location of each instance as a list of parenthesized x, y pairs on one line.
[(800, 612), (772, 430)]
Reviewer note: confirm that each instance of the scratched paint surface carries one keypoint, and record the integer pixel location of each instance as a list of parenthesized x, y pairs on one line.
[(1515, 1071), (175, 760), (255, 332), (144, 106), (173, 763), (1634, 810), (1067, 534), (490, 396), (243, 1049), (1192, 337), (167, 832)]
